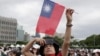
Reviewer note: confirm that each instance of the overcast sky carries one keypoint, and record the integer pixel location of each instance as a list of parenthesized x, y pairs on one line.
[(27, 12)]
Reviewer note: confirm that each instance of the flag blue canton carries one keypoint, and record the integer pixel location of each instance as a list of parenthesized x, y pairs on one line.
[(47, 8)]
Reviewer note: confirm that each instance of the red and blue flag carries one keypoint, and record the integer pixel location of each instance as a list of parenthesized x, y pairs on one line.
[(49, 18)]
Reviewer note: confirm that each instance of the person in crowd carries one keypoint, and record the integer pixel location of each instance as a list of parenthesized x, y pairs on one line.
[(72, 52), (78, 53), (5, 51), (48, 46), (83, 53), (14, 53), (0, 50), (96, 54)]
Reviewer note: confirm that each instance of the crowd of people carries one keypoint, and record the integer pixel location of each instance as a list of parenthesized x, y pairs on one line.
[(10, 51), (48, 46), (16, 51)]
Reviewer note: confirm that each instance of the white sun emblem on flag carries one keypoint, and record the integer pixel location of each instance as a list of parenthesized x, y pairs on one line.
[(47, 8)]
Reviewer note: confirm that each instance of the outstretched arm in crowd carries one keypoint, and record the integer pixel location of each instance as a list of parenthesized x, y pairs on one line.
[(26, 50), (67, 36)]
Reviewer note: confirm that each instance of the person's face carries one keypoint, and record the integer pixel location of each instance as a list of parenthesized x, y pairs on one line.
[(96, 54), (11, 54), (72, 51), (49, 49)]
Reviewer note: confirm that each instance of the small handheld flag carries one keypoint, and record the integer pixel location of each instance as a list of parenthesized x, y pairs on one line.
[(49, 18)]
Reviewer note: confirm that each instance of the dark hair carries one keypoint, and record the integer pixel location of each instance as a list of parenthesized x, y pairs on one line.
[(16, 53), (93, 54), (49, 40), (5, 48)]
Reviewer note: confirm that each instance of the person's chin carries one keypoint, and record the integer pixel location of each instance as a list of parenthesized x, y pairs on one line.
[(49, 52)]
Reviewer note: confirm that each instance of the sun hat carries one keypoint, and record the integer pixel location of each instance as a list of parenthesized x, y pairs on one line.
[(51, 41)]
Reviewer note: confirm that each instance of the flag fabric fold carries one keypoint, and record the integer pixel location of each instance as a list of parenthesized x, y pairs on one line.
[(50, 17)]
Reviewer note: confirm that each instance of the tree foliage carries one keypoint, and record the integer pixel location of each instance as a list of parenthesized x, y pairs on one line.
[(21, 42), (92, 41), (59, 40)]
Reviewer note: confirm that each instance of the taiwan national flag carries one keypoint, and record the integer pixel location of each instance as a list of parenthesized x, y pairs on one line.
[(49, 18)]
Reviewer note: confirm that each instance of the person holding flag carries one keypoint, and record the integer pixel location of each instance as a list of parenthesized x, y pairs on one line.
[(48, 46)]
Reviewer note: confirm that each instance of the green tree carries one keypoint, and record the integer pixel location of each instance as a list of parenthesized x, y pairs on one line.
[(92, 41), (59, 40), (21, 42)]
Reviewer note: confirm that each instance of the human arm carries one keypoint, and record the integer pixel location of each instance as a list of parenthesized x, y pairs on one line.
[(26, 49), (67, 36)]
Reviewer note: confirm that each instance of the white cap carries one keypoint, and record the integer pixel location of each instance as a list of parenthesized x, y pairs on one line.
[(22, 45), (12, 46), (36, 46), (96, 50), (17, 45)]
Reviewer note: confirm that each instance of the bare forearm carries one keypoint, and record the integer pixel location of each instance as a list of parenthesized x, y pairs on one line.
[(28, 46), (66, 42), (67, 35)]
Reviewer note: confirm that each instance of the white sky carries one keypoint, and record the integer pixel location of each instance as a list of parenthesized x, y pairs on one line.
[(27, 12)]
